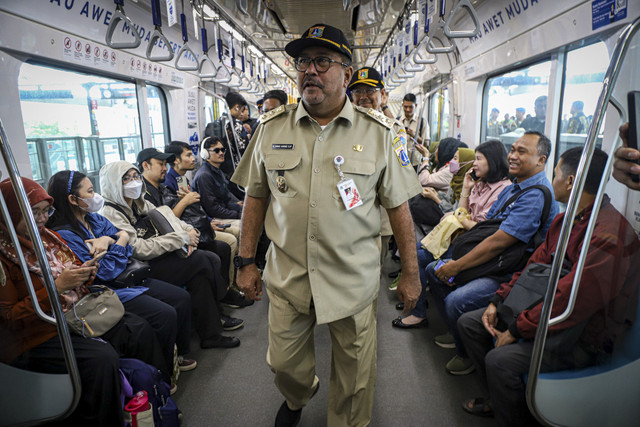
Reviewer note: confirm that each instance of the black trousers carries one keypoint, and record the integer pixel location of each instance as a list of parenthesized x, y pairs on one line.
[(200, 274), (223, 251), (167, 308), (502, 369), (98, 363)]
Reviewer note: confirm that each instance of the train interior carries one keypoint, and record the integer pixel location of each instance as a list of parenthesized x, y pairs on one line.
[(86, 83)]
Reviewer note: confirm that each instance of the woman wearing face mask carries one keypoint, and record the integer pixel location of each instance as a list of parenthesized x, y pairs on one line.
[(199, 272), (439, 178), (29, 342), (167, 308)]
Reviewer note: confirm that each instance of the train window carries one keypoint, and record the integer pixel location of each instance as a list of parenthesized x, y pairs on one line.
[(158, 117), (439, 115), (76, 121), (584, 73), (214, 108), (515, 102)]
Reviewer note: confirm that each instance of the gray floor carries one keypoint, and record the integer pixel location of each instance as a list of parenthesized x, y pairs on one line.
[(235, 387)]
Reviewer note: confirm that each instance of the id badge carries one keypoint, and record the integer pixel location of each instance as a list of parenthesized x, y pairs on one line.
[(349, 193)]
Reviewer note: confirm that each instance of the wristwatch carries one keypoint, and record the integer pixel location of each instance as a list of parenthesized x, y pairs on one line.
[(384, 107), (240, 262)]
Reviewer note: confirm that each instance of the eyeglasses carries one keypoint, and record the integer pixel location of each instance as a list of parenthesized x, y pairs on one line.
[(43, 212), (127, 179), (322, 63), (217, 150), (368, 91)]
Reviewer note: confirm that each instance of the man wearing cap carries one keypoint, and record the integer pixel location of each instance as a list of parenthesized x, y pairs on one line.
[(152, 163), (315, 174)]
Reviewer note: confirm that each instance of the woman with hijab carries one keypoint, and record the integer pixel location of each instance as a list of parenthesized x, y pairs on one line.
[(441, 176), (167, 308), (31, 343), (123, 191)]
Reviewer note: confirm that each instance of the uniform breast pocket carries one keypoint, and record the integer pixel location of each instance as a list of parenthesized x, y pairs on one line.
[(282, 172), (362, 172)]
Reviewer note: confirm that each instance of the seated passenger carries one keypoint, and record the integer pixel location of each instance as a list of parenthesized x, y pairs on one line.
[(199, 272), (189, 202), (521, 222), (477, 197), (166, 307), (441, 176), (212, 185), (30, 343), (606, 301)]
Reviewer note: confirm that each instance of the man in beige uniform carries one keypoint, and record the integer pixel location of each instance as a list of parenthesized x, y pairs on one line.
[(410, 121), (323, 263)]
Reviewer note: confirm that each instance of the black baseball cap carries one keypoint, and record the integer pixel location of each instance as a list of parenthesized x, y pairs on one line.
[(320, 35), (154, 153), (368, 76)]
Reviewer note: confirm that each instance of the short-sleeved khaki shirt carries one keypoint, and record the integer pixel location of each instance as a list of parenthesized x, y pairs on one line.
[(319, 249), (412, 123)]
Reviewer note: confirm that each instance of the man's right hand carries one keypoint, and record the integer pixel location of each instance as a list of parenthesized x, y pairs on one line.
[(490, 319), (250, 282)]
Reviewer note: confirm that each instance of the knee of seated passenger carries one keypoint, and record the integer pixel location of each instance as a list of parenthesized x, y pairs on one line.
[(494, 361)]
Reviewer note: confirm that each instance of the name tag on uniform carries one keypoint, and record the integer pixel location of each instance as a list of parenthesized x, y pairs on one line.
[(349, 193), (282, 146)]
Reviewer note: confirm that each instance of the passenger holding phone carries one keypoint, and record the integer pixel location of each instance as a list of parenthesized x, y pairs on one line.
[(627, 158)]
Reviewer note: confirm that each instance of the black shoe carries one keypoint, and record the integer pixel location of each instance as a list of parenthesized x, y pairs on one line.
[(288, 418), (231, 323), (400, 306), (394, 274), (220, 342), (398, 323), (235, 299)]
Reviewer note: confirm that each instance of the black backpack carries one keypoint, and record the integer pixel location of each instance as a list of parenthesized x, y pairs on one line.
[(512, 259)]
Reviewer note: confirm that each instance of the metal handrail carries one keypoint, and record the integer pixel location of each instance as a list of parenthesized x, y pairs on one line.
[(617, 57), (48, 281), (431, 48), (417, 58), (118, 16), (413, 68), (403, 73), (462, 34)]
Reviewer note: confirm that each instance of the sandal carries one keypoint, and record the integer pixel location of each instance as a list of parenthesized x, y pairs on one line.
[(478, 406)]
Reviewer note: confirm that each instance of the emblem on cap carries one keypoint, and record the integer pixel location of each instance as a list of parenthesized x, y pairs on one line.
[(363, 74), (315, 32)]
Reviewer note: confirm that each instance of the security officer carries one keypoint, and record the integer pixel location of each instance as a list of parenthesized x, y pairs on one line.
[(315, 175)]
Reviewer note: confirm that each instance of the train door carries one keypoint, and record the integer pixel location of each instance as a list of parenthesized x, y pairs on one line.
[(604, 393), (440, 125)]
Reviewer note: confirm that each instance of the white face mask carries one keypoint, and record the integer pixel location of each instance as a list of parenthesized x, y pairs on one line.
[(94, 204), (132, 189)]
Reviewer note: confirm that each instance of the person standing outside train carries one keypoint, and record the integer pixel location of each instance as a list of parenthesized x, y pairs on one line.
[(315, 175)]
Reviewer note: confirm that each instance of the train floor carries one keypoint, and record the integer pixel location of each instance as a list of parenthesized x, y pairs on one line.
[(235, 387)]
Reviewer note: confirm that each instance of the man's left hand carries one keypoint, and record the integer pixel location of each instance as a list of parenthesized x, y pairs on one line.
[(504, 338), (408, 290), (450, 269)]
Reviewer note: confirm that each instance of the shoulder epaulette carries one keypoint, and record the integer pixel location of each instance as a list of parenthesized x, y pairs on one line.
[(276, 112), (377, 116)]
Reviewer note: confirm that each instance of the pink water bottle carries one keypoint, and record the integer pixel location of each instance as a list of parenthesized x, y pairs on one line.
[(139, 408)]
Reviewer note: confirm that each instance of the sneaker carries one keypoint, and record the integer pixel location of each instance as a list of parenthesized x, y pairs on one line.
[(445, 341), (231, 323), (220, 342), (235, 299), (394, 284), (173, 389), (186, 364), (460, 366)]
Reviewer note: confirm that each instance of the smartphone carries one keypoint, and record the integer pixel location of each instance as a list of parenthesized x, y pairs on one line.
[(182, 183), (95, 259), (439, 264), (633, 99), (473, 175), (224, 226)]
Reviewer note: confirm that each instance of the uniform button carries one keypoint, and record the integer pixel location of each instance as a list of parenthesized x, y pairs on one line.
[(320, 138), (281, 164), (314, 204), (317, 170), (312, 237), (313, 270)]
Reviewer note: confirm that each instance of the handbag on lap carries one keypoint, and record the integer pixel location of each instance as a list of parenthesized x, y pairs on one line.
[(95, 313)]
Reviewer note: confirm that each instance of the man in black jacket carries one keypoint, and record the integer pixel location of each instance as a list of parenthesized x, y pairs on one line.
[(212, 184)]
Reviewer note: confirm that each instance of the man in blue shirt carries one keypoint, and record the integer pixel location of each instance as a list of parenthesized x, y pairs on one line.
[(521, 223)]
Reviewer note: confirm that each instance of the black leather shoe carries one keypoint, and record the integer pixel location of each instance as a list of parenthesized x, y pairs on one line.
[(230, 323), (400, 306), (398, 323), (235, 299), (220, 342), (288, 418)]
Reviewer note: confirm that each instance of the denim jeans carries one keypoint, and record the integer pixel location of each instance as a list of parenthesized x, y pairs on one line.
[(453, 302), (424, 259)]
